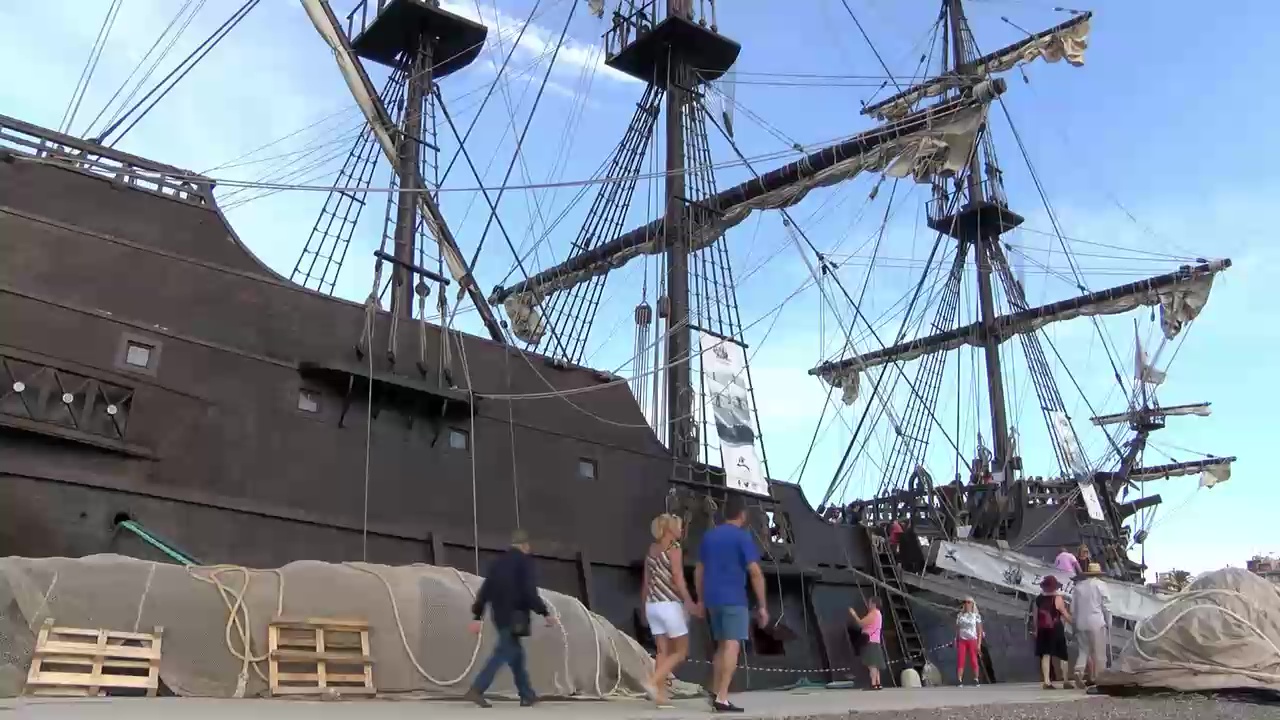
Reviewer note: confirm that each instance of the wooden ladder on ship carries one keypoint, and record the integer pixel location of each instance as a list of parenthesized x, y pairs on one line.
[(906, 632)]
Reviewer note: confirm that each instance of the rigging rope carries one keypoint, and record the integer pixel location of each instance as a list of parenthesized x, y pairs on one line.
[(159, 58), (231, 182), (194, 59), (1035, 177), (491, 86), (871, 45), (866, 283), (90, 65), (534, 211)]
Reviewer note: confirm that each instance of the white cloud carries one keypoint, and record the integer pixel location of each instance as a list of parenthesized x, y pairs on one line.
[(537, 41)]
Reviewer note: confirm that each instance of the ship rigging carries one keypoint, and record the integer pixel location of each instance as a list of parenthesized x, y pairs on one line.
[(393, 385)]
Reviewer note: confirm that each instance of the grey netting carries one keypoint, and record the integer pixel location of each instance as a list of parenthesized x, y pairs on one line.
[(418, 618), (1222, 633)]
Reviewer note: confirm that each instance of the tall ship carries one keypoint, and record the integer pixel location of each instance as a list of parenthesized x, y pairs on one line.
[(167, 395)]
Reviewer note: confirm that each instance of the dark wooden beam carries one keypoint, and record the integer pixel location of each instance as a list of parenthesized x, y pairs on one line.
[(773, 180)]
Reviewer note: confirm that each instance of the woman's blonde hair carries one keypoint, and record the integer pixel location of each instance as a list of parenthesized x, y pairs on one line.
[(662, 523), (970, 601)]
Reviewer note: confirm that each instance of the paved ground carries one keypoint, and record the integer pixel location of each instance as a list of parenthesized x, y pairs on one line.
[(1002, 702)]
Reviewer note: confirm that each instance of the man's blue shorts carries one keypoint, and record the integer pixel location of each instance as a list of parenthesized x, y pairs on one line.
[(729, 622)]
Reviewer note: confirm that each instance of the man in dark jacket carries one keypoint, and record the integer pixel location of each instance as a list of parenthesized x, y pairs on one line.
[(510, 591)]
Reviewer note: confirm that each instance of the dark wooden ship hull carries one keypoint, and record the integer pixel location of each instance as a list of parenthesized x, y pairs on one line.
[(208, 448)]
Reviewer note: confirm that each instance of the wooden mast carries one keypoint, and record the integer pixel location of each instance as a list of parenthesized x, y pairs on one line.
[(981, 240), (679, 336)]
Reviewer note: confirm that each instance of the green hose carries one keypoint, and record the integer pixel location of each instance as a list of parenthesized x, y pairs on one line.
[(136, 529)]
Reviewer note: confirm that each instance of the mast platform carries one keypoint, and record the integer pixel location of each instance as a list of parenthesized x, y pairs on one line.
[(641, 49), (992, 215), (398, 25)]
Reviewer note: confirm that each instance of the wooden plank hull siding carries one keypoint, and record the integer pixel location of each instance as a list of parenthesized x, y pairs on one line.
[(215, 455)]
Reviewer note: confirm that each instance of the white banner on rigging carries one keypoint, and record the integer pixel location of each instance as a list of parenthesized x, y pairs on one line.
[(1016, 571), (1066, 439), (724, 367)]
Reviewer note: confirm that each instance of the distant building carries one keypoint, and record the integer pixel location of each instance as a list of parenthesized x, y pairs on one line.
[(1268, 566)]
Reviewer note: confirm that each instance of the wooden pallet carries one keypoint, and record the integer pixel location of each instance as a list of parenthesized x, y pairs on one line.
[(319, 656), (82, 662)]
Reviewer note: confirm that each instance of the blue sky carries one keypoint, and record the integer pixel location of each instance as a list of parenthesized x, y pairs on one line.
[(1159, 146)]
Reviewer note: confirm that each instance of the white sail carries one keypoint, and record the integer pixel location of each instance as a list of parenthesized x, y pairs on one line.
[(1066, 42), (1215, 474), (1143, 371)]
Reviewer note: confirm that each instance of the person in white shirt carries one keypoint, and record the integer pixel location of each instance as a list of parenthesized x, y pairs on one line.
[(968, 640), (1091, 609)]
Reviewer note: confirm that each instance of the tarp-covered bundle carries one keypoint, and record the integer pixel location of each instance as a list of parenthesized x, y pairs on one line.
[(418, 617), (1222, 633)]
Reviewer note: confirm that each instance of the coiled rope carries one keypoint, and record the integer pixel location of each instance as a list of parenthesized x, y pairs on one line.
[(240, 645)]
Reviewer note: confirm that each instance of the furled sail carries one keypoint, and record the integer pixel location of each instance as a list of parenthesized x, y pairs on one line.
[(930, 143), (1200, 409), (1212, 470), (1066, 41), (1181, 296), (383, 127)]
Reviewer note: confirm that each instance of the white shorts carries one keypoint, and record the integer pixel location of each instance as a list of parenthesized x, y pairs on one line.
[(666, 618)]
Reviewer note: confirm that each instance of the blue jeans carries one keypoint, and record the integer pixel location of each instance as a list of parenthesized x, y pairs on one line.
[(508, 651)]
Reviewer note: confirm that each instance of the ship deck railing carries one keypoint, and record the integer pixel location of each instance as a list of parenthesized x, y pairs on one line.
[(362, 9), (629, 27), (944, 203), (90, 158)]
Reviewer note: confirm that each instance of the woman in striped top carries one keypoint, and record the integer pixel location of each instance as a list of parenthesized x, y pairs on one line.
[(666, 602)]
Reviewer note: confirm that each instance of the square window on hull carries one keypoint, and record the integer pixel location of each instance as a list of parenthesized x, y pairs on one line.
[(459, 439), (586, 469), (308, 401), (137, 354)]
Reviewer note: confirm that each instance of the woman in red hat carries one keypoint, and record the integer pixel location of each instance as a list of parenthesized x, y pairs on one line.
[(1049, 617)]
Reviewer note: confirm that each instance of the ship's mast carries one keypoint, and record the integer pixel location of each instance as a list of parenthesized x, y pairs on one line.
[(679, 336), (982, 238), (407, 36), (417, 87)]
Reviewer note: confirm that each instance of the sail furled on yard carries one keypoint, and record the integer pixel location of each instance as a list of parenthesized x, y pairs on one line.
[(931, 143), (1181, 296), (1066, 41), (1199, 409), (1212, 470)]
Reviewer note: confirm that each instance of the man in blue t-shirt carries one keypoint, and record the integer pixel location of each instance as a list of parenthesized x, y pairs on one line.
[(726, 557)]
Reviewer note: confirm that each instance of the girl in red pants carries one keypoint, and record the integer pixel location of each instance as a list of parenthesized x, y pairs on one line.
[(968, 639)]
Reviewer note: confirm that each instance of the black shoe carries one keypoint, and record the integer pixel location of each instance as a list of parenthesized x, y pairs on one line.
[(477, 697), (529, 701), (724, 707)]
